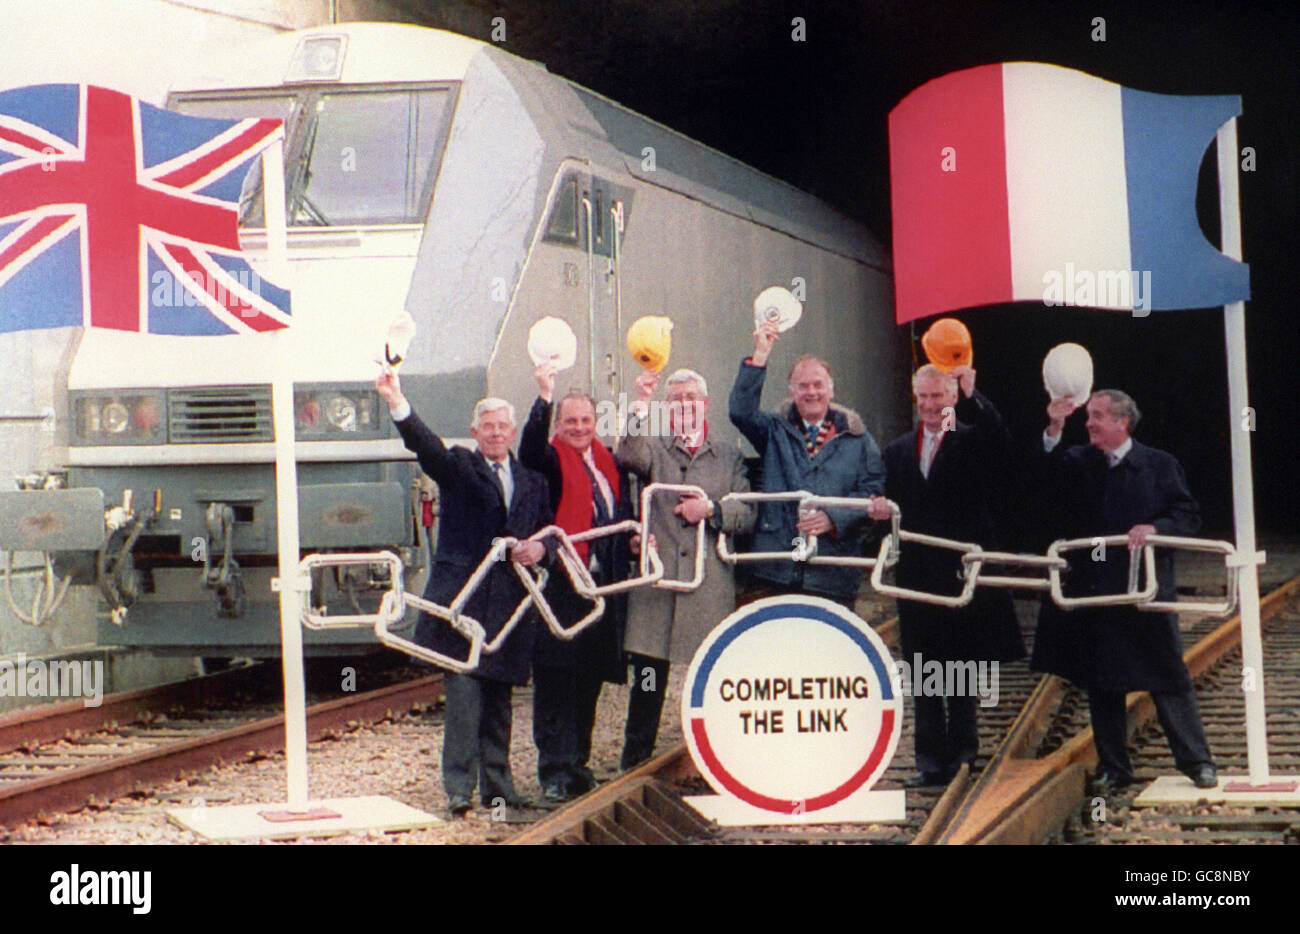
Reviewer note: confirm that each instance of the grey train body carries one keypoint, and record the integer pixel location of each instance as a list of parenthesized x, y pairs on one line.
[(544, 199)]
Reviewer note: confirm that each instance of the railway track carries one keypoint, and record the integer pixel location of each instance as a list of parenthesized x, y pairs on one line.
[(1032, 789), (61, 757)]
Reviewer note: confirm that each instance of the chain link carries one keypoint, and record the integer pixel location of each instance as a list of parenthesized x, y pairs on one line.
[(974, 559)]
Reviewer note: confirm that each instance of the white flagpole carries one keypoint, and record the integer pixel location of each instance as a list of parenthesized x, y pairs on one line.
[(286, 490), (1243, 495)]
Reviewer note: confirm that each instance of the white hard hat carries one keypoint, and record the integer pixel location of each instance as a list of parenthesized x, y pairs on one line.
[(778, 305), (1067, 371), (400, 334), (552, 340)]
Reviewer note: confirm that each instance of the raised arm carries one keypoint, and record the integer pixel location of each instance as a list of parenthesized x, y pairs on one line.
[(634, 453), (535, 451), (433, 456), (747, 390)]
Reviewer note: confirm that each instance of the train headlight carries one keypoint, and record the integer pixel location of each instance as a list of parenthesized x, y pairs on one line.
[(341, 412), (116, 418), (331, 411), (122, 417)]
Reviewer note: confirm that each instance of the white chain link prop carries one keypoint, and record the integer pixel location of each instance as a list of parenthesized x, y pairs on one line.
[(647, 496), (394, 602), (313, 620), (975, 558), (804, 548), (571, 561), (886, 559)]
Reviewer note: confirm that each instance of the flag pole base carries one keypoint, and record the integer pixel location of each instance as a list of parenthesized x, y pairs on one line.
[(1279, 791), (329, 817)]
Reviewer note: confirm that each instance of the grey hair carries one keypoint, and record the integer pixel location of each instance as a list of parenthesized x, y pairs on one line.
[(571, 396), (1121, 406), (930, 371), (491, 404), (689, 376), (809, 358)]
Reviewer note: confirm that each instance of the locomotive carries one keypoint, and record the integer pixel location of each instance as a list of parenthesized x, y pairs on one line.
[(437, 175)]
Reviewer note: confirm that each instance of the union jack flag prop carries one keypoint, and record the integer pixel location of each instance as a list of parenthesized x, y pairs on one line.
[(116, 214)]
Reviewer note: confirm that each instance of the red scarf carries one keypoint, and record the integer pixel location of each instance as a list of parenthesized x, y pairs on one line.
[(575, 512)]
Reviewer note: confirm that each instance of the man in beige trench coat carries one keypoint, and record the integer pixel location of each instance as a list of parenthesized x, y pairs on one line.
[(662, 625)]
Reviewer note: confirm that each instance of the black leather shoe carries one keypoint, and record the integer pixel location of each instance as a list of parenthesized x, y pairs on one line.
[(459, 805), (926, 780), (552, 798), (510, 801), (1107, 782), (1205, 776)]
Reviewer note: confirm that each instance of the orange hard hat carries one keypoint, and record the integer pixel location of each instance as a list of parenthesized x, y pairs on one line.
[(947, 344)]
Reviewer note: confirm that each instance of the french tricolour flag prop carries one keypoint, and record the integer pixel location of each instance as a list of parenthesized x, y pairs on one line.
[(1032, 182)]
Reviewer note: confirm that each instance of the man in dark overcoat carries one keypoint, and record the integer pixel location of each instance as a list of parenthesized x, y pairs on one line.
[(587, 490), (484, 494), (1117, 486), (943, 476)]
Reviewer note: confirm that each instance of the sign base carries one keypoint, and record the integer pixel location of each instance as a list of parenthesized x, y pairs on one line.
[(863, 807), (1281, 791), (332, 816)]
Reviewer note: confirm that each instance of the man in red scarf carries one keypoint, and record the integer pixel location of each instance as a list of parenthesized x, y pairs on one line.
[(587, 490)]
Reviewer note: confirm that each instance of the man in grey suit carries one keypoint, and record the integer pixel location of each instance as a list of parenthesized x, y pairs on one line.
[(666, 626), (1116, 485)]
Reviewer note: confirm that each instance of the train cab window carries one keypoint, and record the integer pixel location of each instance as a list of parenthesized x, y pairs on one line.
[(369, 157), (352, 156), (284, 107), (563, 225)]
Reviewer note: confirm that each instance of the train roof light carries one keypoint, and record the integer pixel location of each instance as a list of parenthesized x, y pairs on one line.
[(318, 58)]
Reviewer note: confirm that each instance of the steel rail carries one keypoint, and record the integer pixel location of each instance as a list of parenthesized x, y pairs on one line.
[(71, 789), (1019, 799)]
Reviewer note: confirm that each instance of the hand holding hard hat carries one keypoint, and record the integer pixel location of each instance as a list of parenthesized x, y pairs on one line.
[(1067, 372), (551, 340), (778, 306), (545, 376), (398, 340), (947, 344), (650, 340)]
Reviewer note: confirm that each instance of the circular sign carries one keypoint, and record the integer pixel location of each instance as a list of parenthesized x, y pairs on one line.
[(788, 705)]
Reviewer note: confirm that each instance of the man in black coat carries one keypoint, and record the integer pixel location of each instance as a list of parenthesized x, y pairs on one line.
[(587, 490), (1112, 486), (485, 494), (943, 477)]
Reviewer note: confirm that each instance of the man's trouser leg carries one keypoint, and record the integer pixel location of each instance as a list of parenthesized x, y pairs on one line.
[(460, 732), (963, 731), (1110, 731), (930, 735), (1181, 721), (553, 725), (494, 743), (645, 702)]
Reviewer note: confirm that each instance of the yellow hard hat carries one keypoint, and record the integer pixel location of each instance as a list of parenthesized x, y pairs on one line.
[(947, 344), (649, 340)]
